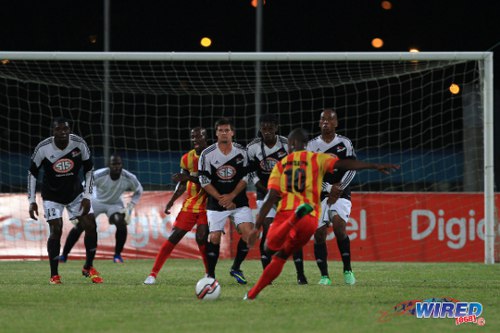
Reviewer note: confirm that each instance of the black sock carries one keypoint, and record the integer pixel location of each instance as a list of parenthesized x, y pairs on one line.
[(212, 257), (121, 238), (321, 254), (73, 236), (90, 241), (241, 254), (345, 252), (265, 258), (298, 260), (53, 248)]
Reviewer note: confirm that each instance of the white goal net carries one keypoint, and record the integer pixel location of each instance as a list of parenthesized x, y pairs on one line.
[(401, 108)]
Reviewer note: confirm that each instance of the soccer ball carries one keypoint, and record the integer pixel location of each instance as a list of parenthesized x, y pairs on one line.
[(208, 288)]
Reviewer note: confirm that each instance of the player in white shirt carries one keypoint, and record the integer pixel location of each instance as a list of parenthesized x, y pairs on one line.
[(222, 171), (110, 183), (336, 197), (62, 156), (263, 153)]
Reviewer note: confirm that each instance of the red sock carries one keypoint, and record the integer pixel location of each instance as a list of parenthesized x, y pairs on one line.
[(162, 256), (272, 271), (203, 252)]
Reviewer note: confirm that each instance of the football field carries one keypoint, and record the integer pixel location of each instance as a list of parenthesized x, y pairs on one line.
[(123, 304)]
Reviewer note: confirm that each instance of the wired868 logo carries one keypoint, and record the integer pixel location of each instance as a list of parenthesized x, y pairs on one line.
[(437, 307), (462, 312)]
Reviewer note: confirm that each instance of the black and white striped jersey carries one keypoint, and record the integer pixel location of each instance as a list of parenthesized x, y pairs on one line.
[(223, 172), (61, 168), (261, 160), (341, 147)]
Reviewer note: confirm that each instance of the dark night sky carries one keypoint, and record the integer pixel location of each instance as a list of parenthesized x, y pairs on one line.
[(289, 25)]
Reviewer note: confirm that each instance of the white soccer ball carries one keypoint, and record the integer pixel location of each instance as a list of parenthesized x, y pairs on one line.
[(208, 288)]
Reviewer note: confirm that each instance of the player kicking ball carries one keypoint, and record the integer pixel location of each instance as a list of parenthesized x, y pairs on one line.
[(295, 186)]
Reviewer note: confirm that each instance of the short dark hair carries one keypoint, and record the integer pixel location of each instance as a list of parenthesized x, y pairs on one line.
[(299, 134), (268, 118), (60, 120), (224, 121)]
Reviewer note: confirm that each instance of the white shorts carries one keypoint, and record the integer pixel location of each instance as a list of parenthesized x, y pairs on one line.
[(54, 210), (105, 208), (272, 212), (217, 220), (342, 208)]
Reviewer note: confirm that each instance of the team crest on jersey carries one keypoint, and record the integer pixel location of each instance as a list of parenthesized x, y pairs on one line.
[(75, 153), (340, 149), (281, 154), (268, 164), (226, 172), (63, 165)]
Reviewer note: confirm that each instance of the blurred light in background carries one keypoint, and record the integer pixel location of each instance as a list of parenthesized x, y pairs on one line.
[(206, 42), (454, 88), (413, 50), (93, 39), (387, 5), (4, 61), (254, 3), (377, 43)]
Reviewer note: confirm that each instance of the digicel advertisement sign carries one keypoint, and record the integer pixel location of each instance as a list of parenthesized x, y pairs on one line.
[(424, 227)]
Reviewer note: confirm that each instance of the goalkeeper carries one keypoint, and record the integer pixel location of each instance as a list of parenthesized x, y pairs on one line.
[(110, 183)]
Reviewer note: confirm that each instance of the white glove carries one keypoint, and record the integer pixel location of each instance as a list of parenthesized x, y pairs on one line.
[(128, 212)]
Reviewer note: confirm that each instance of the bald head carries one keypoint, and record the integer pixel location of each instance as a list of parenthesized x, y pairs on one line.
[(297, 140)]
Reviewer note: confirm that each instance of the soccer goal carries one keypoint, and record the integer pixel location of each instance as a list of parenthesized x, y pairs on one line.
[(430, 112)]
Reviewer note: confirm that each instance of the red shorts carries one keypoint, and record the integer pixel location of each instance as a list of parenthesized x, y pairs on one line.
[(297, 237), (186, 220)]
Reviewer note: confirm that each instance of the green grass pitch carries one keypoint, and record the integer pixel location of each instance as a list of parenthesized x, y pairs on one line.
[(123, 304)]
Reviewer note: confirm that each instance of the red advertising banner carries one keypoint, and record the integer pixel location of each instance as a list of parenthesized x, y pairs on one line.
[(420, 227)]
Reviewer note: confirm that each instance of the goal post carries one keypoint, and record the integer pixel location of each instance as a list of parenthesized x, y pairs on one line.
[(393, 106)]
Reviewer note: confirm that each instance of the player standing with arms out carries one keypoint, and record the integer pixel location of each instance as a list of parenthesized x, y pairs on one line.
[(336, 197), (193, 210), (263, 153), (296, 183), (223, 175), (62, 156), (109, 185)]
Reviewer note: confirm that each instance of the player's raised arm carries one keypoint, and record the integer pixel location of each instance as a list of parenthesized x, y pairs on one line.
[(384, 168)]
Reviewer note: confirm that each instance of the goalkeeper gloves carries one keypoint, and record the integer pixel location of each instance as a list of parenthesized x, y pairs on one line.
[(128, 212)]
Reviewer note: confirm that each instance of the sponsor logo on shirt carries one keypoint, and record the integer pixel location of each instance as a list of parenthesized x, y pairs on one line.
[(226, 172), (64, 165), (268, 164)]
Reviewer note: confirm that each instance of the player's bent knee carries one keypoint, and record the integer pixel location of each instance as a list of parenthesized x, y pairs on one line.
[(117, 219), (215, 237), (245, 228), (320, 235), (176, 235), (339, 227)]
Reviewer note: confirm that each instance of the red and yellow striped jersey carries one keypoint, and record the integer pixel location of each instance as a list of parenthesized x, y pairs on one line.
[(196, 201), (298, 178)]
